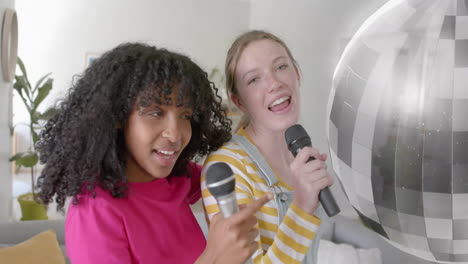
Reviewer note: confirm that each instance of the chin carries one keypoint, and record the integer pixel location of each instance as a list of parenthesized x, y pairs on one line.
[(290, 121), (160, 173), (284, 124)]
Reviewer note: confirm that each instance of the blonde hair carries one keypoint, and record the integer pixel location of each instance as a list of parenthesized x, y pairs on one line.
[(232, 59)]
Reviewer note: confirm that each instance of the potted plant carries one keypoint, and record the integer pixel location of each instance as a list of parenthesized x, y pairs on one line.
[(32, 97)]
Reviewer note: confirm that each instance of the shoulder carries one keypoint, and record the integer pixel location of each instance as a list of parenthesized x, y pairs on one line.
[(235, 156), (96, 225), (230, 150), (230, 153), (99, 201)]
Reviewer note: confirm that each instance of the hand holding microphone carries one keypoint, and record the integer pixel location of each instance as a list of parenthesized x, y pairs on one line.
[(231, 235), (317, 178)]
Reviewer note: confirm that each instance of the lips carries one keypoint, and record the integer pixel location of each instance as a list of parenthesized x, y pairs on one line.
[(165, 153), (166, 157), (280, 104)]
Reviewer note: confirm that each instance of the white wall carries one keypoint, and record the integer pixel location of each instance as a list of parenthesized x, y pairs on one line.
[(56, 35), (315, 31), (5, 138)]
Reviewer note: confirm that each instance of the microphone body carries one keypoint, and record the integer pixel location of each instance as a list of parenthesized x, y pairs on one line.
[(227, 204), (221, 183), (297, 138)]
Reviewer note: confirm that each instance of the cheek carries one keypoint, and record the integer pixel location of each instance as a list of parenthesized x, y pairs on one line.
[(139, 133), (132, 138), (129, 133), (187, 133), (257, 102), (253, 104), (252, 100), (292, 79)]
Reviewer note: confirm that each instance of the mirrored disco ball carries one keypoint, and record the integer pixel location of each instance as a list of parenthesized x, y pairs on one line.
[(398, 126)]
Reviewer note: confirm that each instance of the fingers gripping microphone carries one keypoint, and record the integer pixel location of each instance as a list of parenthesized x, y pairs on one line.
[(221, 182), (297, 138)]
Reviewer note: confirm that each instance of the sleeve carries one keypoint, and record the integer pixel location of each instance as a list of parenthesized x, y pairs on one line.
[(94, 233), (292, 238), (195, 192)]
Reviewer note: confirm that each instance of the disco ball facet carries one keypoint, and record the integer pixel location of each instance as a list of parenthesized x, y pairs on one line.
[(398, 126)]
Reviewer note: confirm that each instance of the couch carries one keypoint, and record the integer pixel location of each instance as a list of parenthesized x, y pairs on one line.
[(338, 229)]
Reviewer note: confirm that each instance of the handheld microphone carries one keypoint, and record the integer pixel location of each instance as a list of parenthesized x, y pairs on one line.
[(221, 182), (297, 138)]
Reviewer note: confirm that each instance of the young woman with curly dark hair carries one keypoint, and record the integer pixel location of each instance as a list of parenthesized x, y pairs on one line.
[(121, 146)]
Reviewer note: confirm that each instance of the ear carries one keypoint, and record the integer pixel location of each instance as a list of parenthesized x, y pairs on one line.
[(238, 102), (298, 73)]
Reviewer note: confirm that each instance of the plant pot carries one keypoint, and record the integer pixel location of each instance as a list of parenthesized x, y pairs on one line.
[(30, 209)]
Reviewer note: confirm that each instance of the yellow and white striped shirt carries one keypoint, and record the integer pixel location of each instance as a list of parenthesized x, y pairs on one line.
[(285, 242)]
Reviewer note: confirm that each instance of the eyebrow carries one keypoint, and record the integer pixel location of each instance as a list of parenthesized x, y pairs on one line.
[(279, 58)]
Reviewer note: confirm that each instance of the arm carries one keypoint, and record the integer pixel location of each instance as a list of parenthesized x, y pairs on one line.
[(94, 233), (292, 238)]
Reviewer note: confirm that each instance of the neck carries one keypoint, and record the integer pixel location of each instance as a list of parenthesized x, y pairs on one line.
[(271, 144)]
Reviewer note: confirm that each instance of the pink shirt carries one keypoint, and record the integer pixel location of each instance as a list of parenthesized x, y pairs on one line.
[(153, 224)]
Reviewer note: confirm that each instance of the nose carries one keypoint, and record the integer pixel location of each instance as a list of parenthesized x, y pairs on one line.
[(273, 82), (172, 131)]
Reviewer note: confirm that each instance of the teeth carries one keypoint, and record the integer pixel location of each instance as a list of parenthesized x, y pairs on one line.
[(279, 101), (166, 152)]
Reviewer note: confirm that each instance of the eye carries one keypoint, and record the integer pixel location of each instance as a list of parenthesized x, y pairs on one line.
[(283, 66), (187, 116), (155, 113), (252, 80), (150, 111)]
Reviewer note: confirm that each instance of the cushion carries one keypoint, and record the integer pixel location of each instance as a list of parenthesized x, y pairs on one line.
[(42, 248)]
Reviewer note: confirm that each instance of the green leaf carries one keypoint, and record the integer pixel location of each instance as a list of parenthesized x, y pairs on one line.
[(23, 70), (21, 65), (26, 159), (17, 156), (39, 83), (35, 136), (18, 87), (43, 92), (48, 114), (21, 85)]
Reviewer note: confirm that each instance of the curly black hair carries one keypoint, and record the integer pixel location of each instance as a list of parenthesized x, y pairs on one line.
[(83, 145)]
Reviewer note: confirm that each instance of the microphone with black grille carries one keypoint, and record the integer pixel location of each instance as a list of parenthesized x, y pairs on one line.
[(221, 182), (297, 138)]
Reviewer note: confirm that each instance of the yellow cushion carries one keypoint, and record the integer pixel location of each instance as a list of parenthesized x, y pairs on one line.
[(39, 249)]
